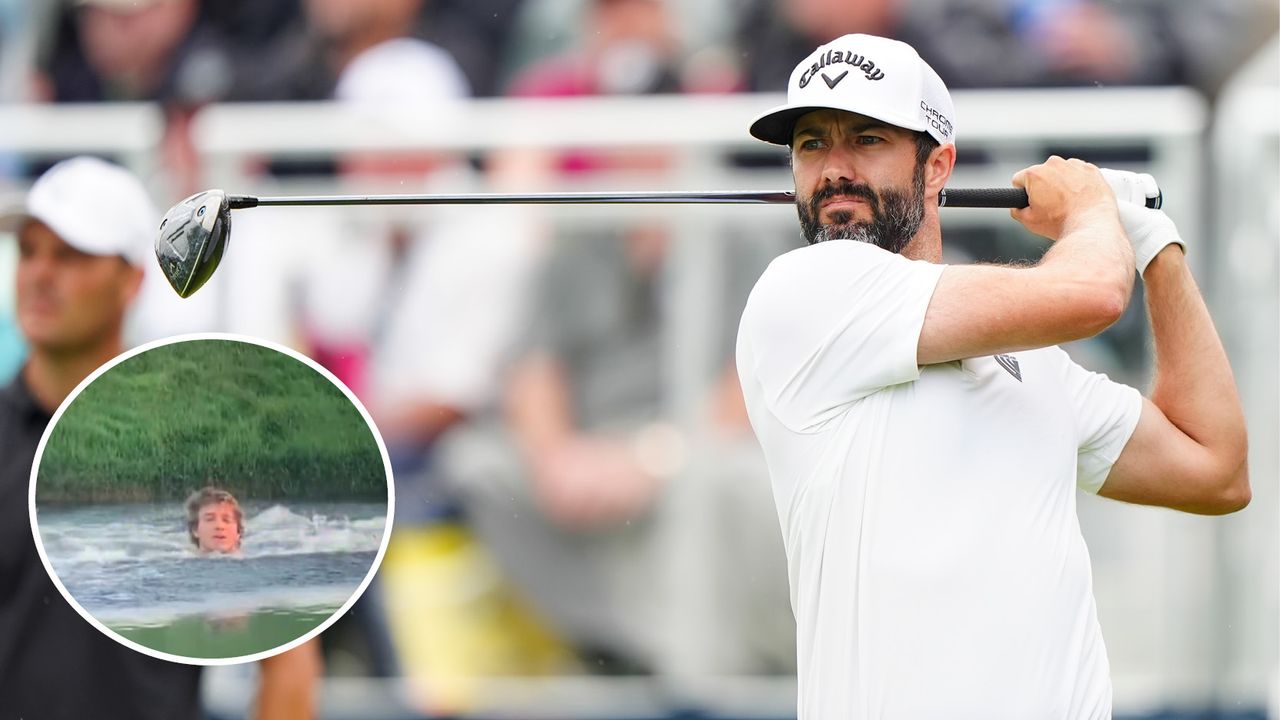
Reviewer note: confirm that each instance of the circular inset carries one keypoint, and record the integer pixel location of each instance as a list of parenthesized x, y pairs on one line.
[(211, 499)]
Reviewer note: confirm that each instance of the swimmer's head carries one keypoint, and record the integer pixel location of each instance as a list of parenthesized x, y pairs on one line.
[(214, 521)]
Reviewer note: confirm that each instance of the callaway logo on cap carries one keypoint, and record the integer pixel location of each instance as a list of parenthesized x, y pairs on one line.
[(873, 76)]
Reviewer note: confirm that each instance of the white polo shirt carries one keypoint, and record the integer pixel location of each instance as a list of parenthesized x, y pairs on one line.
[(936, 564)]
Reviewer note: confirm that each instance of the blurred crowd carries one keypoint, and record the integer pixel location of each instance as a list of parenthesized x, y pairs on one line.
[(188, 52), (518, 368), (185, 54)]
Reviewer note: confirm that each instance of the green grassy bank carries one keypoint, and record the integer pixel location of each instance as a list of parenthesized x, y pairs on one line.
[(178, 417)]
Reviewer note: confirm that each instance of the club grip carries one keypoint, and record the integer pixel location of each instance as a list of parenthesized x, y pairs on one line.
[(1010, 197)]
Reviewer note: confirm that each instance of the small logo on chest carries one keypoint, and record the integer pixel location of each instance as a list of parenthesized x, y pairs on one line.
[(1010, 363)]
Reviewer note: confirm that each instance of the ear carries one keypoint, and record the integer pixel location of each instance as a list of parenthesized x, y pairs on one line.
[(937, 169), (132, 284), (128, 284)]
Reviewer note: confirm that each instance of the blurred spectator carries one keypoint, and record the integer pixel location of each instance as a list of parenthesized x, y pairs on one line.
[(774, 36), (303, 63), (363, 276), (140, 50), (626, 47), (1215, 37), (567, 496), (83, 232), (1086, 42), (1010, 43), (622, 47), (478, 33), (116, 50), (412, 308), (307, 61), (248, 25), (195, 51), (250, 31), (361, 54), (700, 59)]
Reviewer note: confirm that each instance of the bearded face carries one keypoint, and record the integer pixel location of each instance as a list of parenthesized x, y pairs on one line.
[(896, 213)]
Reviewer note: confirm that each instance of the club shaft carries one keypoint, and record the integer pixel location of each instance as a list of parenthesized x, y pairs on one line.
[(960, 197)]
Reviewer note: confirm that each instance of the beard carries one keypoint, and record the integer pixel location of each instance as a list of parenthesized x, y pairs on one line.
[(896, 214)]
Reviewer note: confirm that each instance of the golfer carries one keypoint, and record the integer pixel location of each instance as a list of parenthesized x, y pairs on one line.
[(924, 434)]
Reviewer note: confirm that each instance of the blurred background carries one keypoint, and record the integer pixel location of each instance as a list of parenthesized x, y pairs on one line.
[(584, 527)]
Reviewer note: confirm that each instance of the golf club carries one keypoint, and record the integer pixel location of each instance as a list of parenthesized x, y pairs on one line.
[(194, 233)]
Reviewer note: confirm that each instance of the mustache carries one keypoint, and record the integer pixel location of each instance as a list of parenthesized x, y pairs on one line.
[(846, 189)]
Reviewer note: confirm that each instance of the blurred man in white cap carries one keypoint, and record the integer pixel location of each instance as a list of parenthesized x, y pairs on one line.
[(924, 434), (82, 239), (84, 232)]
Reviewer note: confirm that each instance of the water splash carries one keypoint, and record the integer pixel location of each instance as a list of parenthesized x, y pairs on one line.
[(136, 563)]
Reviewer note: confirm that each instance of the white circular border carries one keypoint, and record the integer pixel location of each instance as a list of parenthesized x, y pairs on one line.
[(231, 337)]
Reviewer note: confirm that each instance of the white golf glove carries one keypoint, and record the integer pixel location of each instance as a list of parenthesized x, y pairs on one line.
[(1131, 187), (1149, 230)]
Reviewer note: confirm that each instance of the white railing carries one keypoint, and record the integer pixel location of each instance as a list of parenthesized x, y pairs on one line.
[(130, 132)]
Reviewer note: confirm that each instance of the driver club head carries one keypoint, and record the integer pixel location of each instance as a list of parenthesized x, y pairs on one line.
[(192, 237)]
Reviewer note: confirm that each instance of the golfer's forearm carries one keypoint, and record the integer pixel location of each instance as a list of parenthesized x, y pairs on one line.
[(1085, 281), (1193, 383), (1094, 251), (1077, 290)]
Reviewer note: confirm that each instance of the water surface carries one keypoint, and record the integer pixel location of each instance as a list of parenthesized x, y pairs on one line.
[(133, 568)]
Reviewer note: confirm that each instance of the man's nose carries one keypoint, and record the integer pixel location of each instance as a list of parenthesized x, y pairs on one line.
[(839, 165)]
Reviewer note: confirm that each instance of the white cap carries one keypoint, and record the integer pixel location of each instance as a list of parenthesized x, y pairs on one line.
[(402, 71), (873, 76), (94, 206)]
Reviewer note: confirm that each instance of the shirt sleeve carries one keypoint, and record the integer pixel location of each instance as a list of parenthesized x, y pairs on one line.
[(833, 323), (1106, 414)]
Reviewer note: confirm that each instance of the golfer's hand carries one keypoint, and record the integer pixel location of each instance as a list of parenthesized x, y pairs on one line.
[(1150, 231), (1062, 195)]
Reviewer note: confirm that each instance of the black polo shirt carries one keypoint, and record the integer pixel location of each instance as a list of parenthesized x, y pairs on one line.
[(53, 663)]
